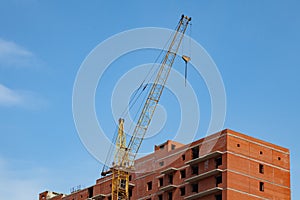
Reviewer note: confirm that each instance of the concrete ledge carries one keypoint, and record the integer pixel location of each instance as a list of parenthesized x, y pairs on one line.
[(203, 158), (169, 170), (168, 187), (204, 175), (204, 193)]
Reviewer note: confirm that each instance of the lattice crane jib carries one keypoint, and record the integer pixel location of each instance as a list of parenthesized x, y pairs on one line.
[(124, 157)]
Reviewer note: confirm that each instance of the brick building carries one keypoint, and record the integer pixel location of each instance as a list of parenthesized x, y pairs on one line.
[(222, 166)]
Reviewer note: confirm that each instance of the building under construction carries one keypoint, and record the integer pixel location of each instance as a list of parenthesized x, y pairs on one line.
[(224, 166)]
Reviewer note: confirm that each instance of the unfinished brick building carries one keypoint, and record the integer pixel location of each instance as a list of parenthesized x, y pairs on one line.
[(223, 166)]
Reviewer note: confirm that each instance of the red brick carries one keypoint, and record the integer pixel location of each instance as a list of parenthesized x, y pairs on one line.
[(241, 156)]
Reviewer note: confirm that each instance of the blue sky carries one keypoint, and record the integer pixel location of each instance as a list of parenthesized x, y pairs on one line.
[(255, 45)]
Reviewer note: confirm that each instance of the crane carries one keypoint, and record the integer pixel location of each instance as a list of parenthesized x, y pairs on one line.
[(124, 156)]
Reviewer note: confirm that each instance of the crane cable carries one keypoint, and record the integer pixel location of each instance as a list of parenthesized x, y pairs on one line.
[(133, 100), (141, 89), (189, 55), (110, 151), (136, 96), (151, 78)]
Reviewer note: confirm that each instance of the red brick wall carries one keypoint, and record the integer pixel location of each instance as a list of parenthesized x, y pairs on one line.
[(240, 164), (244, 155)]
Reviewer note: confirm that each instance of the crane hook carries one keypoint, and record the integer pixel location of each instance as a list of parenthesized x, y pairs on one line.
[(186, 60)]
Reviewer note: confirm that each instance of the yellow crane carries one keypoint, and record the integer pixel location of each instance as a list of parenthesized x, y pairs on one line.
[(124, 156)]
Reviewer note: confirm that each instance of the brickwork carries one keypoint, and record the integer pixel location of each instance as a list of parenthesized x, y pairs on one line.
[(224, 166)]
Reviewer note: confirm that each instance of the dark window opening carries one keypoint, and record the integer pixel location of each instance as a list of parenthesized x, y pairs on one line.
[(130, 177), (218, 180), (261, 169), (149, 185), (170, 178), (279, 158), (195, 187), (238, 145), (173, 146), (218, 197), (170, 196), (149, 199), (183, 157), (160, 197), (161, 163), (195, 152), (160, 182), (218, 161), (162, 146), (195, 170), (182, 191), (109, 198), (261, 186), (182, 173), (130, 192), (260, 152), (90, 192)]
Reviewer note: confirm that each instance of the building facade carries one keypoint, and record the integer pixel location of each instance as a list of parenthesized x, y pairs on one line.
[(224, 166)]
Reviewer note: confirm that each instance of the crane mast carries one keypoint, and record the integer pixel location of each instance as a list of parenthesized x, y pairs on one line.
[(124, 157)]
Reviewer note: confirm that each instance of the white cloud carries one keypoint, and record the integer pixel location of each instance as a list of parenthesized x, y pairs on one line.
[(20, 98), (12, 54), (10, 48), (9, 97)]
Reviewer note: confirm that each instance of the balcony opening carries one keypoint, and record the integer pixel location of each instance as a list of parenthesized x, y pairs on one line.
[(170, 196), (160, 197), (90, 192), (261, 169), (195, 170), (195, 187), (170, 178), (183, 157), (195, 152), (149, 185), (182, 191), (182, 173), (218, 180), (160, 182), (261, 186), (218, 197), (130, 192), (218, 161)]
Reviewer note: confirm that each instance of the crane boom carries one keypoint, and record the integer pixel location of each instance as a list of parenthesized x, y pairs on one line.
[(156, 91), (125, 157)]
